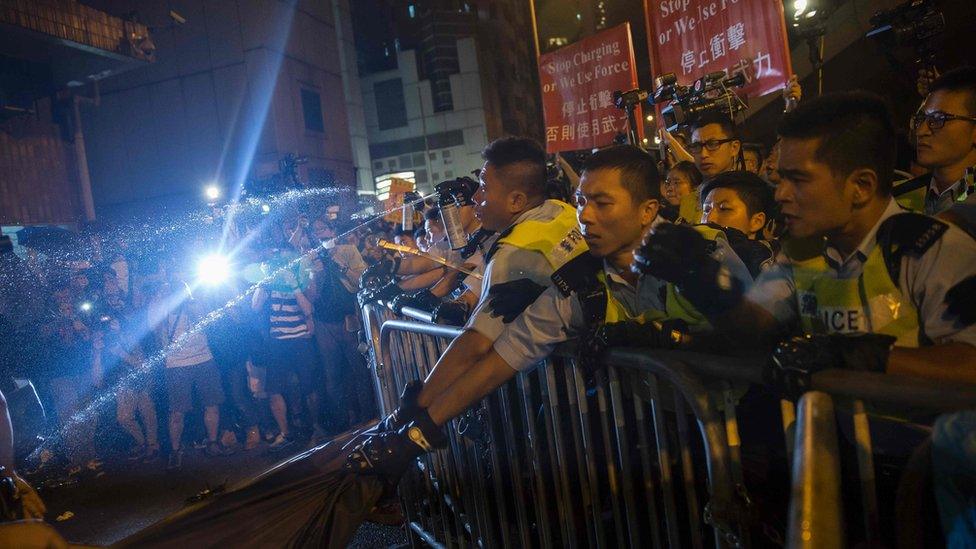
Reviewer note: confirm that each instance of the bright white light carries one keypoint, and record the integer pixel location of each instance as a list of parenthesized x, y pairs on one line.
[(212, 192), (265, 208), (657, 140), (213, 269), (799, 6), (650, 118), (812, 13), (644, 140), (86, 306)]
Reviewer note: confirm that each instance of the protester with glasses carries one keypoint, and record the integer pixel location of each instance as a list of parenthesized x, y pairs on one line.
[(715, 149), (945, 142)]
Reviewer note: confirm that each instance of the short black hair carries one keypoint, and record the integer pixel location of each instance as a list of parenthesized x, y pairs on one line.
[(432, 214), (752, 190), (690, 170), (638, 170), (959, 79), (525, 152), (715, 117), (854, 131), (756, 148)]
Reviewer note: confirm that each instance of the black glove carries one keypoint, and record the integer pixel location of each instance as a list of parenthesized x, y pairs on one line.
[(657, 334), (405, 412), (388, 454), (384, 268), (452, 313), (423, 300), (383, 293), (509, 299), (961, 302), (680, 255), (795, 360)]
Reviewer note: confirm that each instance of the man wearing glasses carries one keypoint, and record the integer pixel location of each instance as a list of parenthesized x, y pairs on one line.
[(714, 145), (945, 133), (715, 149)]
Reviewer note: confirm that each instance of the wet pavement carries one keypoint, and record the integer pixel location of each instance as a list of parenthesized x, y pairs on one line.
[(130, 496)]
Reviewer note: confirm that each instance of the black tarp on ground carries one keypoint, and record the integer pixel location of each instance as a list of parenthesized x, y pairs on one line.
[(307, 501)]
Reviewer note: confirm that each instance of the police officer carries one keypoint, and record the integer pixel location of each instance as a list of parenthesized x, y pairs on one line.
[(945, 141), (619, 199), (888, 276), (536, 237)]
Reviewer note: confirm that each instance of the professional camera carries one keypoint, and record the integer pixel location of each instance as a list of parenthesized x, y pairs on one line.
[(916, 23), (712, 92)]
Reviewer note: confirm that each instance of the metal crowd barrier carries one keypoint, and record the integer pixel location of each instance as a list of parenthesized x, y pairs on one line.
[(550, 460)]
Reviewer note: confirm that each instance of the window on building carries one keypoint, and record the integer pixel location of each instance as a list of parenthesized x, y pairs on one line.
[(446, 154), (391, 163), (418, 160), (391, 108), (421, 176), (433, 155), (312, 110), (404, 161), (448, 174), (412, 10)]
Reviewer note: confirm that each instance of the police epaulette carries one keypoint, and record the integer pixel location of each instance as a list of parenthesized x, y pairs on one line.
[(910, 185), (578, 274), (907, 233)]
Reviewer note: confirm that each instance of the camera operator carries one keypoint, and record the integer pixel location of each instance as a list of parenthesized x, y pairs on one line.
[(190, 366), (336, 273), (835, 166), (945, 139), (121, 353)]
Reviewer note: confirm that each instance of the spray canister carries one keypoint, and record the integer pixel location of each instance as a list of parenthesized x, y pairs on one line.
[(448, 195)]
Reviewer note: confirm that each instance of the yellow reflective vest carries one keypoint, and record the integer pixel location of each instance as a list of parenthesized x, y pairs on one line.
[(558, 239), (617, 312), (870, 303)]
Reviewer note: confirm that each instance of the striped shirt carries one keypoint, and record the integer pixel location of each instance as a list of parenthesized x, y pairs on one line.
[(287, 319)]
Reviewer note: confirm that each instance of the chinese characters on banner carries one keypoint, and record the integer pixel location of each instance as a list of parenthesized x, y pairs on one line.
[(578, 82), (692, 38)]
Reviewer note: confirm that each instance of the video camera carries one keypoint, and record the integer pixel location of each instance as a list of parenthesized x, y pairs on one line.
[(916, 23), (712, 92)]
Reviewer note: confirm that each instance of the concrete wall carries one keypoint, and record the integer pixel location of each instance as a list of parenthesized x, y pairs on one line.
[(468, 118), (223, 100)]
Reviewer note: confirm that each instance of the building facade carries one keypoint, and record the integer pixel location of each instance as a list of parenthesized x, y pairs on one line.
[(235, 88), (52, 56), (441, 79)]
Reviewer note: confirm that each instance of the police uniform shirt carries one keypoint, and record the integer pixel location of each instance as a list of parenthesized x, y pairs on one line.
[(924, 280), (510, 264), (936, 202), (555, 318)]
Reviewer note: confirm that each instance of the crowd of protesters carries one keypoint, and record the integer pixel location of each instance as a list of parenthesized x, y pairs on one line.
[(266, 353)]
